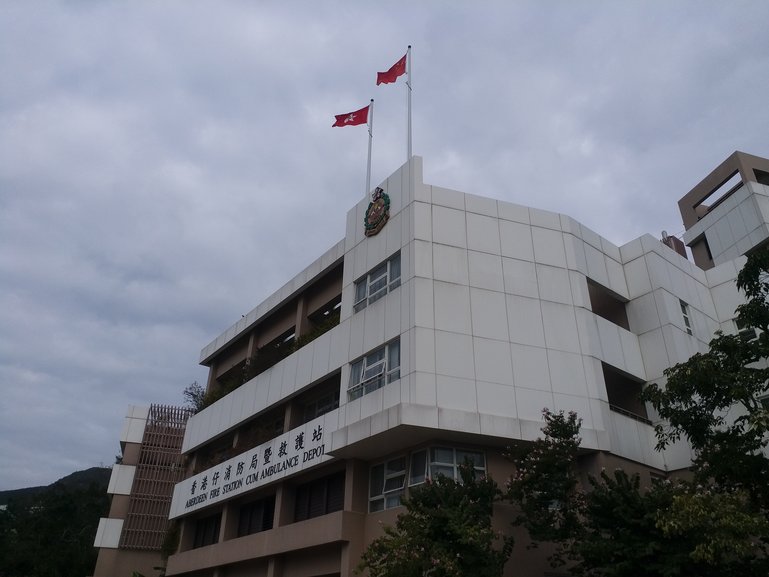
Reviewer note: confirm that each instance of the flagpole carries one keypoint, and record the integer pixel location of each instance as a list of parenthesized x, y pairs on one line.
[(370, 137), (408, 85)]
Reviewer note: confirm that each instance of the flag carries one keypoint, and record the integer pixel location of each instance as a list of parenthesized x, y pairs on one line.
[(352, 118), (391, 75)]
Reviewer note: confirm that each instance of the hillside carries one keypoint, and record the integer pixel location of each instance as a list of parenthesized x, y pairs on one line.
[(77, 480), (50, 530)]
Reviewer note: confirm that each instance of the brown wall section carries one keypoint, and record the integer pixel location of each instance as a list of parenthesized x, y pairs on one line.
[(296, 538), (122, 563), (737, 162), (119, 506), (131, 453)]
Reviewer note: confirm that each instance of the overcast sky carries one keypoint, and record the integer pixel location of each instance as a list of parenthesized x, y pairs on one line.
[(165, 166)]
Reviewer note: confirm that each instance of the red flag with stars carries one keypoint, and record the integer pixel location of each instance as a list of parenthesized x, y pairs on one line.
[(391, 75), (352, 118)]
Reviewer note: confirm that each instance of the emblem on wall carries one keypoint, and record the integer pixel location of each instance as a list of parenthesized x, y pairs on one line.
[(377, 213)]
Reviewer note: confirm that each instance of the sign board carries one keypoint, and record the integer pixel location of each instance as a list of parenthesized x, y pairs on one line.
[(285, 455)]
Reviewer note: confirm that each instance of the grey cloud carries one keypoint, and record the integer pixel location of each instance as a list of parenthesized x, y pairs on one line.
[(166, 166)]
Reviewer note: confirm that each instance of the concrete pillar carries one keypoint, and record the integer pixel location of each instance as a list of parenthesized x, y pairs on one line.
[(229, 527), (302, 324), (186, 534), (275, 567), (284, 506)]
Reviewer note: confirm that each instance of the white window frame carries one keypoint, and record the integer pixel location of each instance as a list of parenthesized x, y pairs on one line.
[(417, 473), (687, 316), (379, 281), (746, 333), (374, 370), (436, 465), (387, 483)]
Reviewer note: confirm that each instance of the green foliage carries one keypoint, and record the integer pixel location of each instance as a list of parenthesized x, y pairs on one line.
[(724, 535), (171, 540), (194, 396), (545, 486), (617, 527), (322, 327), (445, 532), (622, 531), (51, 534), (712, 400)]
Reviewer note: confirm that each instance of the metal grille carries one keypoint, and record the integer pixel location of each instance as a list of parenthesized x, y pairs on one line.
[(159, 469)]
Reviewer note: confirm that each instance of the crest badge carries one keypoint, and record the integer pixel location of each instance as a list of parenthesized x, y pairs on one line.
[(377, 213)]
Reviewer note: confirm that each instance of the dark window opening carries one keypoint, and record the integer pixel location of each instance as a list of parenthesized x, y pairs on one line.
[(746, 333), (232, 378), (321, 321), (762, 177), (607, 304), (207, 531), (319, 400), (624, 394), (319, 497), (262, 429), (213, 454), (327, 312), (256, 516), (270, 354)]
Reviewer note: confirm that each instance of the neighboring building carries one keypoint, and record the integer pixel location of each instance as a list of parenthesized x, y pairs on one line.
[(439, 335), (132, 538)]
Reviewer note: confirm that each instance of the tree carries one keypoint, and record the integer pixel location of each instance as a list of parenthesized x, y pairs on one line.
[(668, 529), (724, 536), (194, 397), (51, 534), (713, 400), (617, 528), (545, 486), (445, 532)]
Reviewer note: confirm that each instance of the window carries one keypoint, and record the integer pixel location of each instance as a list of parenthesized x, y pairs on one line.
[(373, 371), (746, 333), (607, 304), (624, 394), (317, 400), (386, 483), (443, 461), (320, 405), (418, 471), (685, 313), (262, 429), (377, 283), (207, 531), (328, 311), (319, 497), (256, 516)]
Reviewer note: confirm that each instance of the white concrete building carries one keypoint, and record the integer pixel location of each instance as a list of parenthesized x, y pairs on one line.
[(440, 335)]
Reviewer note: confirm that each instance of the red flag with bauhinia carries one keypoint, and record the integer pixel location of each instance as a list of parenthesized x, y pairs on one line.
[(352, 118), (391, 75)]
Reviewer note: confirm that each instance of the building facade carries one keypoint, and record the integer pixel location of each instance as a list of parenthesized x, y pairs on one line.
[(437, 330), (132, 539)]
